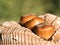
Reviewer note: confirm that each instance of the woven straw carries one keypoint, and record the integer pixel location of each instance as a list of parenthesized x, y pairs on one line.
[(14, 34)]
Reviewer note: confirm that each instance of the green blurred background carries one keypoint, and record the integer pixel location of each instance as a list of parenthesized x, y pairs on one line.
[(14, 9)]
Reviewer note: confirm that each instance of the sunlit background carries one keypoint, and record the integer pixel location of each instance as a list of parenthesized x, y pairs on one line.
[(14, 9)]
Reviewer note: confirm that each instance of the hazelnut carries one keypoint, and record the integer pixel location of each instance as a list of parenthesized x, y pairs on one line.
[(26, 18), (30, 24), (45, 32)]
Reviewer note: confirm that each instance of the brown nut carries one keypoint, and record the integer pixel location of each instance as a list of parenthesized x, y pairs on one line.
[(30, 24), (45, 32), (26, 18)]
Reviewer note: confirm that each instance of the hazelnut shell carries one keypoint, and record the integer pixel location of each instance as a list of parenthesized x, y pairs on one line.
[(45, 32), (30, 24), (26, 18)]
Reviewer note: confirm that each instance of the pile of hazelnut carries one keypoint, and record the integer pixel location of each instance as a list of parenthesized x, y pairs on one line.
[(37, 25)]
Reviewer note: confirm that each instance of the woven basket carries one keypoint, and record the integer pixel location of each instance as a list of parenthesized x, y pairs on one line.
[(14, 34)]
